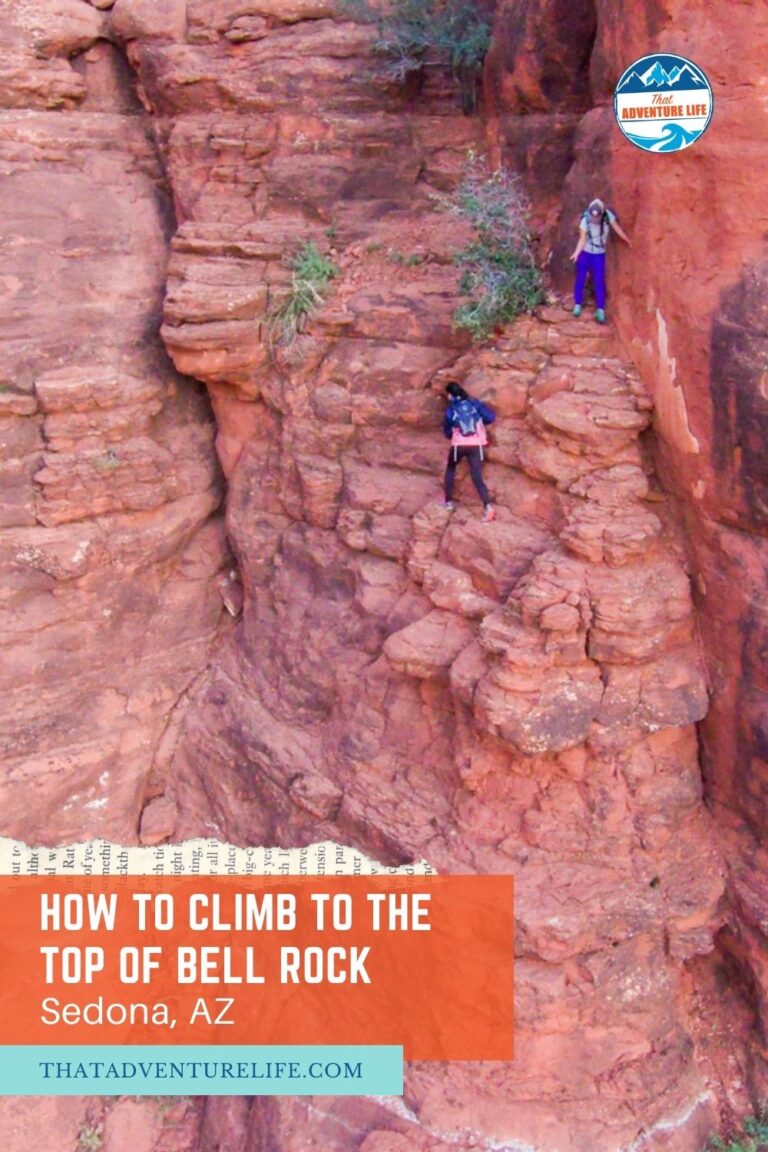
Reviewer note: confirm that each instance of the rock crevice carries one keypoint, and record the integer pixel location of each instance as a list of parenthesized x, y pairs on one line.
[(109, 540)]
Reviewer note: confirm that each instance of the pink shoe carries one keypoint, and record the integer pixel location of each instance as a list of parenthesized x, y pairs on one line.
[(489, 514)]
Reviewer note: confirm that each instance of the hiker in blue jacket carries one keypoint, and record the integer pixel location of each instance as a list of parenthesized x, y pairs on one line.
[(464, 425), (595, 227)]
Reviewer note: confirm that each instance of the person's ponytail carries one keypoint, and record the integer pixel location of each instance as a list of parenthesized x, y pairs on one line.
[(455, 390)]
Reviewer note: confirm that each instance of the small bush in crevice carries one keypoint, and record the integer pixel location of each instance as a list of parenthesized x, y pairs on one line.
[(499, 272), (312, 275), (405, 259), (456, 31), (89, 1139), (752, 1138), (108, 462)]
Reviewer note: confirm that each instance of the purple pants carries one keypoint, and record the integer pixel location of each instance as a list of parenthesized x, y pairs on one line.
[(587, 262)]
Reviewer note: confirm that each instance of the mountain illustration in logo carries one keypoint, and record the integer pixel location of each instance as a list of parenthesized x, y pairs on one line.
[(658, 79)]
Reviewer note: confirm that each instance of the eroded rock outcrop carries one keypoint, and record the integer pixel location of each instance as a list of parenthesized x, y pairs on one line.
[(116, 1125), (516, 696), (689, 306), (108, 544)]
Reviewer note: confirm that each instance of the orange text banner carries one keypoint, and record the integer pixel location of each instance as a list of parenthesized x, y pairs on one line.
[(422, 962)]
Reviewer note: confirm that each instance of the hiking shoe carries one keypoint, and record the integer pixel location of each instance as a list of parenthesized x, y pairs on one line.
[(489, 513), (448, 505), (600, 316), (577, 310)]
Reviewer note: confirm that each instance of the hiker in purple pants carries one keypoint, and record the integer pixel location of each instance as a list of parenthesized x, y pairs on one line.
[(589, 255)]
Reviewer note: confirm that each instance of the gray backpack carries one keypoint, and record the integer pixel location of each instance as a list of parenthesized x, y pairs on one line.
[(597, 234)]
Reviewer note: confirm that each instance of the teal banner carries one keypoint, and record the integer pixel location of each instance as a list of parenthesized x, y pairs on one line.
[(201, 1070)]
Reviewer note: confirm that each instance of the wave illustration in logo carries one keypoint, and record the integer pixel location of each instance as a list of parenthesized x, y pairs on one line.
[(673, 139)]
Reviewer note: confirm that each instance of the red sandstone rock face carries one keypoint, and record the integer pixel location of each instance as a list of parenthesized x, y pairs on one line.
[(107, 542), (116, 1125), (689, 306), (516, 696)]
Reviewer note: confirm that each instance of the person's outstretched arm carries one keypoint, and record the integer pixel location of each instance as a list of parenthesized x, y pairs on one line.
[(620, 232), (580, 246)]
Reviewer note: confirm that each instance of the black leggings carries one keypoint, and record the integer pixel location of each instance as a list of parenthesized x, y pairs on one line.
[(475, 467)]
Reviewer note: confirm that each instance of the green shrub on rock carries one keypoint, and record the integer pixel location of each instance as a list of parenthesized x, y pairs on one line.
[(455, 32), (312, 274), (499, 271), (752, 1138)]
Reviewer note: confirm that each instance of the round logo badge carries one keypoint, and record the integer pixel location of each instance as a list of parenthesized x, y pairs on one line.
[(663, 103)]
